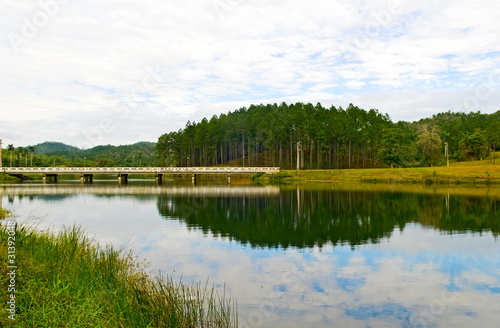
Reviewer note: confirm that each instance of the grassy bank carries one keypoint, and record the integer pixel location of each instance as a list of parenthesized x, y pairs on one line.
[(7, 178), (65, 280), (3, 213), (453, 174)]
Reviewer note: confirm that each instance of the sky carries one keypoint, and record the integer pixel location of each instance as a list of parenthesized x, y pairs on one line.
[(89, 73)]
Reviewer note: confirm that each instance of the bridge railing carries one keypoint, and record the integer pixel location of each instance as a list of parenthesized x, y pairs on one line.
[(129, 170)]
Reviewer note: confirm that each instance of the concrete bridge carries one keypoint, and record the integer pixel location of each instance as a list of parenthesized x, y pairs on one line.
[(87, 173)]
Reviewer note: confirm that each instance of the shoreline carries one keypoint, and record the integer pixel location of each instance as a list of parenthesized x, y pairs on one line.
[(483, 174), (456, 174)]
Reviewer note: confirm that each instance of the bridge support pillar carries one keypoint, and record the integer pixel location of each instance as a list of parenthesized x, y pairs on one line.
[(45, 176), (229, 179), (86, 177), (158, 177), (122, 177), (193, 178)]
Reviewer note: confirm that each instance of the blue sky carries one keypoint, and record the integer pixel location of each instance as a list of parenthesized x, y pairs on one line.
[(117, 72)]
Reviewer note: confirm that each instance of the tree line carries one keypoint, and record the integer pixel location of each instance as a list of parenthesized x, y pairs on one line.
[(290, 136), (308, 136)]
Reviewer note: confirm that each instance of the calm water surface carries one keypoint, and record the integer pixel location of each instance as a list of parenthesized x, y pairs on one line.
[(300, 256)]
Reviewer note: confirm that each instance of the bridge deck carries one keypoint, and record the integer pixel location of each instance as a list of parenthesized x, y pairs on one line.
[(139, 170)]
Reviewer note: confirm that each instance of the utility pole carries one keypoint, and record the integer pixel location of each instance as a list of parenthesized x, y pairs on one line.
[(298, 155), (446, 154), (0, 153), (243, 149)]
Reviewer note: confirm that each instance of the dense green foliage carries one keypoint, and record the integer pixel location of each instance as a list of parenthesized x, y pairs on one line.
[(59, 154), (6, 177), (271, 135), (65, 280), (290, 136)]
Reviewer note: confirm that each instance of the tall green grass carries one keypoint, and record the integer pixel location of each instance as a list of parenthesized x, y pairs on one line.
[(65, 280), (3, 213)]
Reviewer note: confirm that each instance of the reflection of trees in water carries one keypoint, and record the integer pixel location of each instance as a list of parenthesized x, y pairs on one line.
[(304, 218), (471, 214), (45, 198), (62, 197), (135, 197)]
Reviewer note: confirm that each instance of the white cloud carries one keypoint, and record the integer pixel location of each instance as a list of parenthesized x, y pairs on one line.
[(88, 55)]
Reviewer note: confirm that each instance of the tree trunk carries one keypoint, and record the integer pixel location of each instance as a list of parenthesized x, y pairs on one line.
[(274, 153), (310, 153), (494, 153), (248, 150), (349, 154), (298, 157), (301, 154), (221, 153), (256, 152), (281, 157), (364, 156), (329, 156), (337, 154), (318, 165)]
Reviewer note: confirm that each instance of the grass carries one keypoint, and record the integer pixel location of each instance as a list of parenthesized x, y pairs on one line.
[(3, 213), (466, 174), (65, 280), (463, 172), (7, 178)]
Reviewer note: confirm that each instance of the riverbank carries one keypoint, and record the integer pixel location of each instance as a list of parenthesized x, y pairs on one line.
[(7, 178), (64, 279), (3, 213), (452, 174)]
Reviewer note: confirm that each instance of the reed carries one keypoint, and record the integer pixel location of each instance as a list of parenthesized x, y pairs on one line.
[(4, 213), (66, 280)]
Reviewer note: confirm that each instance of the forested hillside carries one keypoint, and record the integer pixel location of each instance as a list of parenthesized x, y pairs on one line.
[(55, 148), (271, 135), (59, 154)]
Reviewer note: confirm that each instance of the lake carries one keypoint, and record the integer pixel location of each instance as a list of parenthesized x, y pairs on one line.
[(315, 255)]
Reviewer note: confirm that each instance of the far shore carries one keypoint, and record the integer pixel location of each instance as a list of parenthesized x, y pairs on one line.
[(484, 174), (481, 172)]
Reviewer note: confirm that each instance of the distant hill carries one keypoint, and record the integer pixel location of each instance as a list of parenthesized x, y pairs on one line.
[(138, 154), (55, 148)]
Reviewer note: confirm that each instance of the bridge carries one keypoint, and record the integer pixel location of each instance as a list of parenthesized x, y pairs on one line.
[(87, 173)]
